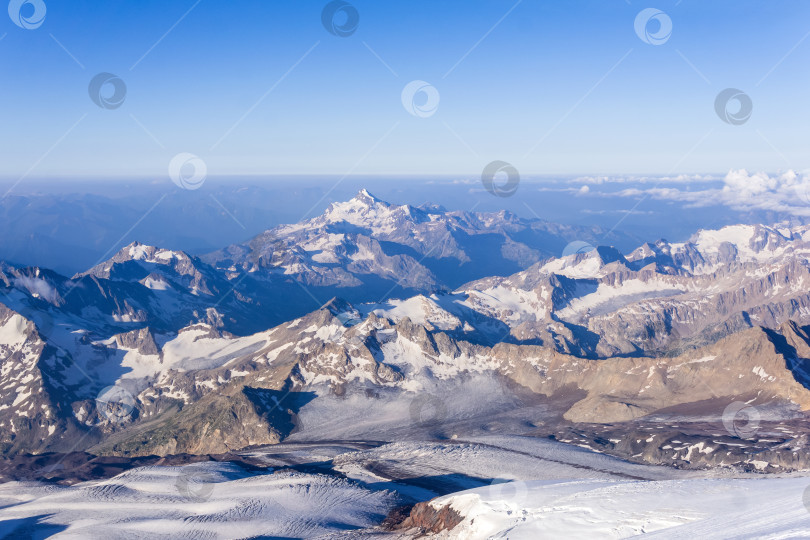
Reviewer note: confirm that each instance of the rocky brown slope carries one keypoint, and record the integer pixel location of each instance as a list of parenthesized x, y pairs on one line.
[(252, 396)]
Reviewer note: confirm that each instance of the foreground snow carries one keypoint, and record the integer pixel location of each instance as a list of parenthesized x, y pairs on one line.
[(693, 508), (543, 489), (211, 500)]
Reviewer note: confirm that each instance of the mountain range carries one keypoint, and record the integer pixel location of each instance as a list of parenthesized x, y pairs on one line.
[(373, 320)]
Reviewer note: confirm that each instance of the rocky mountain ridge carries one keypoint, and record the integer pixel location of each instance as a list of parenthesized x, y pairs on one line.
[(248, 391), (148, 353)]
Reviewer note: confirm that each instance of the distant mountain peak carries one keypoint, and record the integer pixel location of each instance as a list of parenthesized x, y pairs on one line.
[(366, 193), (432, 208), (358, 210), (365, 197), (143, 253)]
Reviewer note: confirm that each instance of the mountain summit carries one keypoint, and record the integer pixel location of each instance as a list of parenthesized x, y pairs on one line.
[(368, 247), (364, 196)]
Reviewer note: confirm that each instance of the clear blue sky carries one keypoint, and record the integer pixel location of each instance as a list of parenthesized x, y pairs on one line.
[(547, 72)]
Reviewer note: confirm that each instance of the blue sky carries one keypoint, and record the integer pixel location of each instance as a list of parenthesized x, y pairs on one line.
[(570, 81)]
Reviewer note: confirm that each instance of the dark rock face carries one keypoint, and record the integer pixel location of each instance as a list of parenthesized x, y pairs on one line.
[(140, 340), (427, 519)]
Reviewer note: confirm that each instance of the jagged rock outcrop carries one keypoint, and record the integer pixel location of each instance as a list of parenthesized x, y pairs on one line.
[(427, 519)]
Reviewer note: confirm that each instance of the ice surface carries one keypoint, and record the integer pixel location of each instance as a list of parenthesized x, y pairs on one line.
[(210, 500), (693, 508), (503, 486)]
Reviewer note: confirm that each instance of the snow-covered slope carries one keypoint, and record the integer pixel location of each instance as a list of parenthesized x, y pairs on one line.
[(660, 298), (497, 488), (205, 500), (772, 508)]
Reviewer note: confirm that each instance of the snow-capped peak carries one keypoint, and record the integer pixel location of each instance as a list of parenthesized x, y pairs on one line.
[(141, 252), (584, 264), (750, 242), (359, 203), (366, 197), (364, 210)]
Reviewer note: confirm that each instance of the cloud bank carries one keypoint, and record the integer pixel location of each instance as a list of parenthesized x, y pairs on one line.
[(740, 190)]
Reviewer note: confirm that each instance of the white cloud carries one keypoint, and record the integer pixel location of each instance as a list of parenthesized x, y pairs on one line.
[(37, 287), (788, 192), (679, 179)]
